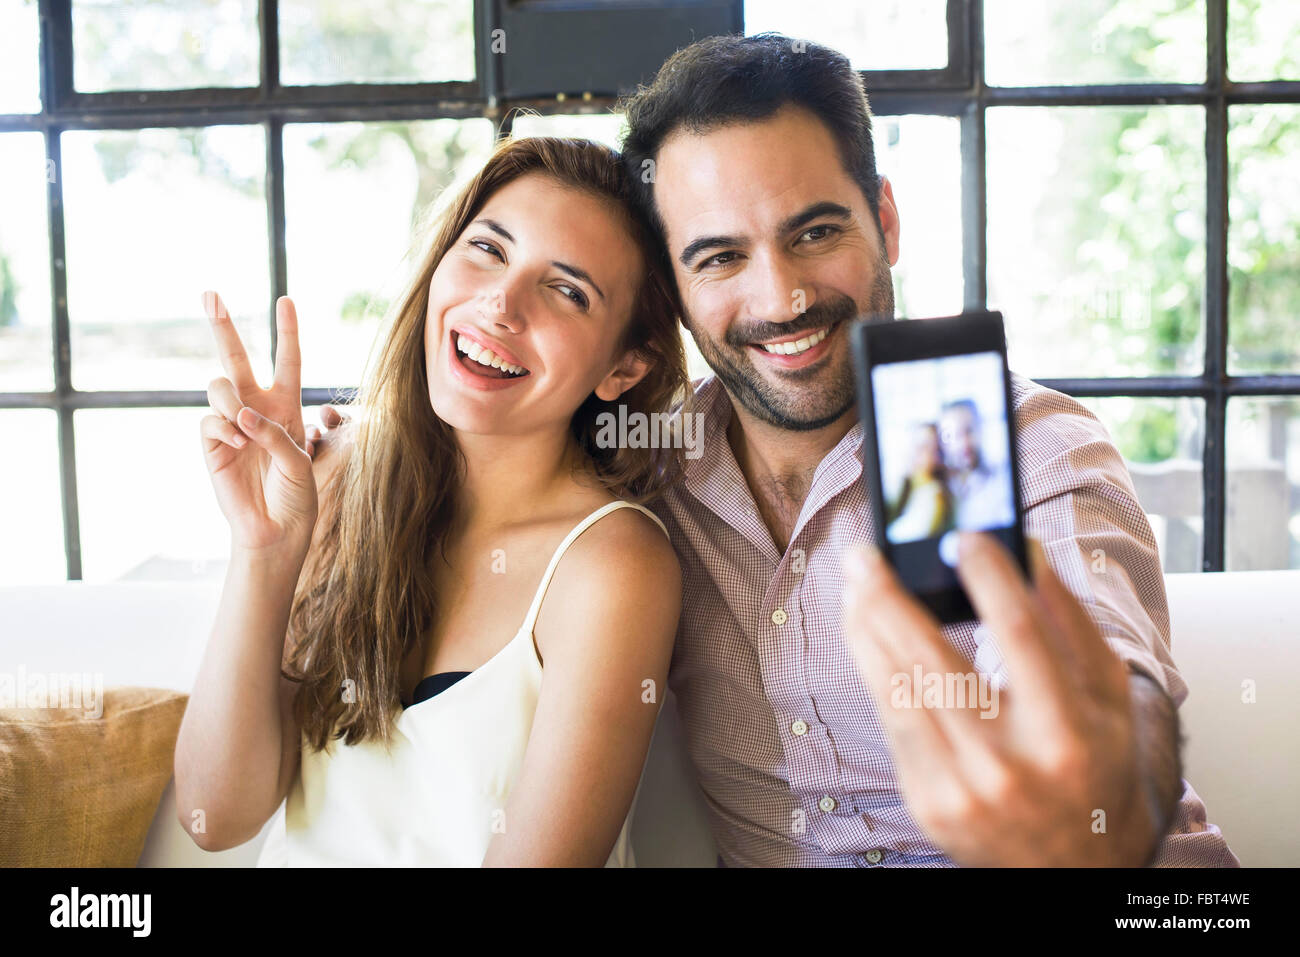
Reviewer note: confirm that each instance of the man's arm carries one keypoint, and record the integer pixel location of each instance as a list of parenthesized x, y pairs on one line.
[(1155, 720)]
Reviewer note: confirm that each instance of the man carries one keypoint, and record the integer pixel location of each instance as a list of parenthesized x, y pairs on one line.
[(755, 158), (981, 492)]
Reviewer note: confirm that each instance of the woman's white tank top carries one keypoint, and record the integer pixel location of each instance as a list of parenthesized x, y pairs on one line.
[(438, 797)]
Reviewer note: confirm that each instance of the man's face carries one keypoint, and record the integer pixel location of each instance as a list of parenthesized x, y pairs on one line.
[(775, 250), (958, 435)]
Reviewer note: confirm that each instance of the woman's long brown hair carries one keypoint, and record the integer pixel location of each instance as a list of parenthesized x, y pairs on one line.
[(366, 596)]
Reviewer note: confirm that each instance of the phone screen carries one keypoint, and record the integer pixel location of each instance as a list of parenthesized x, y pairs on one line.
[(936, 396), (944, 458)]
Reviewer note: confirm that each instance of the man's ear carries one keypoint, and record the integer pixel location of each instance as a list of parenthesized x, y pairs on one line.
[(630, 370), (889, 224)]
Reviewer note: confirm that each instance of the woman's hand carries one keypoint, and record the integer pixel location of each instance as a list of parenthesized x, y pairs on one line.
[(254, 442)]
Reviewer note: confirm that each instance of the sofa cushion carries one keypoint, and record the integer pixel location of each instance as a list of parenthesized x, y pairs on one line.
[(80, 789)]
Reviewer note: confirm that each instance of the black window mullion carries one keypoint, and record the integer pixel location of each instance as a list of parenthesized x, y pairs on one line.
[(274, 129), (62, 349), (974, 179), (1216, 287)]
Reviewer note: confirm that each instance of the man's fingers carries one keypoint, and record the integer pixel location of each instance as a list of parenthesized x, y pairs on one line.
[(1093, 656), (229, 346), (223, 398), (288, 359), (218, 429), (892, 634), (1002, 598)]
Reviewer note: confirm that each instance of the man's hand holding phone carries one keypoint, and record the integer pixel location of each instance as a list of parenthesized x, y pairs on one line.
[(1055, 779)]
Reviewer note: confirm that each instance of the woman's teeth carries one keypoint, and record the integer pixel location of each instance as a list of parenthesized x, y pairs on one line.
[(797, 346), (486, 357)]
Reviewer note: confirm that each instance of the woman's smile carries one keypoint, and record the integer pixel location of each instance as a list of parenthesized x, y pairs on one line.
[(465, 359)]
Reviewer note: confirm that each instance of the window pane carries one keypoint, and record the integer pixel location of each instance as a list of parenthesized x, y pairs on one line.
[(604, 128), (26, 355), (1263, 519), (1065, 42), (921, 156), (1096, 238), (353, 196), (156, 518), (376, 41), (882, 35), (164, 44), (31, 517), (1161, 441), (20, 88), (1263, 239), (1263, 40), (155, 217)]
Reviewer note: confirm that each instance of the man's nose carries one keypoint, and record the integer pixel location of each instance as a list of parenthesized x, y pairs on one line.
[(777, 294)]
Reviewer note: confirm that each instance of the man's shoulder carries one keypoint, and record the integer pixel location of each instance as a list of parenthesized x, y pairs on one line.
[(1060, 440), (1050, 419)]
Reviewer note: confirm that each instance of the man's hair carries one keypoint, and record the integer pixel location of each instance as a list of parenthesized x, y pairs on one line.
[(722, 80), (967, 404)]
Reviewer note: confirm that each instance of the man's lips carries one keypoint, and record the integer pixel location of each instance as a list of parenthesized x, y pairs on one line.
[(800, 359)]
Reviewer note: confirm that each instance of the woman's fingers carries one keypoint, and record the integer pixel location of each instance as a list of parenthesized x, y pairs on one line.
[(223, 398), (331, 417), (233, 357), (217, 429), (286, 453), (288, 358)]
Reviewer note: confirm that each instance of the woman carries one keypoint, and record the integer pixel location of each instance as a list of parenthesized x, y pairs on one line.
[(924, 506), (469, 503)]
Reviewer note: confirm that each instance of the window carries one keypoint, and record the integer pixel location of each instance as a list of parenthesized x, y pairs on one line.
[(1114, 175)]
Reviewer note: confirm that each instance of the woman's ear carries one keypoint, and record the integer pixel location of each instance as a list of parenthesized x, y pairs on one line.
[(630, 370)]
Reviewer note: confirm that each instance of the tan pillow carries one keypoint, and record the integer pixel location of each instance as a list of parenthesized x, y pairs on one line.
[(79, 791)]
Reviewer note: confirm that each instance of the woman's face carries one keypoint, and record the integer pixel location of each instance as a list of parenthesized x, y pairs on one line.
[(927, 450), (543, 280)]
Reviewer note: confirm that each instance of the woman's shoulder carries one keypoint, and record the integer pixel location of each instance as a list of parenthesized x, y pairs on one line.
[(625, 548)]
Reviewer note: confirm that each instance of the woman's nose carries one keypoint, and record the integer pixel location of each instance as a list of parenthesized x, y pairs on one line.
[(494, 306)]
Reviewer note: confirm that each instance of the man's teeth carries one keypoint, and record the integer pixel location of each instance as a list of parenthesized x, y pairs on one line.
[(486, 357), (797, 346)]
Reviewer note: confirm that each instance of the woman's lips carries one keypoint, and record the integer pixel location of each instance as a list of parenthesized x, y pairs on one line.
[(462, 370)]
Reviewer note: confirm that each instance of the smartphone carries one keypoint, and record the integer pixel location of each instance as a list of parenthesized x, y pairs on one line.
[(939, 447)]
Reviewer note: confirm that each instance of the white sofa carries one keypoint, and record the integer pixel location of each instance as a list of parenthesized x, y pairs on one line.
[(1242, 758)]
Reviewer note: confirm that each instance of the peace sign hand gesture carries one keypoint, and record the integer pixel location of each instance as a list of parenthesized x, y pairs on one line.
[(254, 442)]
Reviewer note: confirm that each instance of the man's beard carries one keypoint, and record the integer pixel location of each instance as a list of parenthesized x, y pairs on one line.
[(805, 399)]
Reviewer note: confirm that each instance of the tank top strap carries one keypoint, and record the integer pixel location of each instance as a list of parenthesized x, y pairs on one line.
[(531, 620)]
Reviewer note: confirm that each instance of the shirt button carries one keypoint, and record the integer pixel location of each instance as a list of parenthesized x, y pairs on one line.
[(874, 856), (799, 727), (779, 616), (827, 804)]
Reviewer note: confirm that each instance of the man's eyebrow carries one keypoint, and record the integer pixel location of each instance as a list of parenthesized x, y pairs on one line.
[(697, 246), (789, 224), (581, 274), (496, 227), (815, 211)]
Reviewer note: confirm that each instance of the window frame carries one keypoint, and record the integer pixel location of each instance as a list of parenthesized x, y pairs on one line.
[(958, 90)]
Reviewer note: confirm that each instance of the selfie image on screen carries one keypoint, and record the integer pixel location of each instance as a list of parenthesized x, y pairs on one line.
[(944, 449)]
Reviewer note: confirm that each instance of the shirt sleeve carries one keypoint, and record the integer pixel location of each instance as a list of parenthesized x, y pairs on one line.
[(1080, 504)]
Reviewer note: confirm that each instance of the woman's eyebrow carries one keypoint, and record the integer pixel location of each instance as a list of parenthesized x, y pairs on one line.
[(580, 274), (496, 227)]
